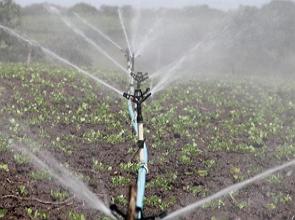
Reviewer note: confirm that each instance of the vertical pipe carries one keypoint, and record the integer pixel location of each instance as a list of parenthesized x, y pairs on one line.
[(143, 152), (143, 170)]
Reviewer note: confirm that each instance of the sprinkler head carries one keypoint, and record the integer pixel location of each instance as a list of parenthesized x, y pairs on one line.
[(126, 95), (139, 77), (139, 97)]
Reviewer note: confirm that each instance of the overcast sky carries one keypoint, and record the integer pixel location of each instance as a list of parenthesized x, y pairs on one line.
[(220, 4)]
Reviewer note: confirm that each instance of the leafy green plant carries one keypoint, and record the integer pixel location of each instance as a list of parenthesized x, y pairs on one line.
[(101, 167), (196, 190), (121, 200), (76, 216), (4, 167), (37, 214), (215, 204), (120, 180), (21, 159), (2, 213), (160, 182), (40, 175), (129, 167), (58, 195), (22, 190), (236, 173)]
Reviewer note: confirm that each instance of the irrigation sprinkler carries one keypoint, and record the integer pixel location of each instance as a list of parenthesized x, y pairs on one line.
[(139, 78), (130, 60), (136, 97), (136, 196)]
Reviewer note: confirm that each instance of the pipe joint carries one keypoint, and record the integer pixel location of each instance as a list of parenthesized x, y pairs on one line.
[(140, 144), (144, 166)]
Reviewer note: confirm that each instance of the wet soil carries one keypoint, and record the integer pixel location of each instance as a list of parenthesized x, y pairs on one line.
[(264, 200)]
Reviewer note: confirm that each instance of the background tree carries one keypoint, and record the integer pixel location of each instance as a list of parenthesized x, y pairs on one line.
[(9, 13)]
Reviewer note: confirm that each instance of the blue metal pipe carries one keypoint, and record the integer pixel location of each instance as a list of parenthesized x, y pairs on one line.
[(142, 172), (141, 179)]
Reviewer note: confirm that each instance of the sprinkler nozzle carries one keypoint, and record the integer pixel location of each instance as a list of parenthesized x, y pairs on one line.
[(126, 95), (139, 77), (139, 97)]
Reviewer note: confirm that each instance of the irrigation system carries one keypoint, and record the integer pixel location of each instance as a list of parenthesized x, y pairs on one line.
[(136, 97)]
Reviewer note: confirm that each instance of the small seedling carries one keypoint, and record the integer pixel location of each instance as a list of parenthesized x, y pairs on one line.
[(4, 167), (58, 195), (2, 213), (22, 190), (76, 216), (120, 181)]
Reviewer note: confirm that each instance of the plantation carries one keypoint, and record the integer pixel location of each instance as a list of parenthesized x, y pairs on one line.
[(203, 135)]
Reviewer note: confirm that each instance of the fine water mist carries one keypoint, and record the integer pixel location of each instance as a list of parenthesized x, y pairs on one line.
[(97, 30), (59, 58), (150, 35), (124, 30), (45, 161), (228, 190), (171, 72), (135, 23), (171, 44), (91, 42)]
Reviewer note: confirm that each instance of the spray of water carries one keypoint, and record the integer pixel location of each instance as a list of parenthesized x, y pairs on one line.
[(46, 162), (167, 73), (135, 25), (150, 36), (91, 42), (59, 58), (228, 190), (124, 30), (97, 30), (167, 77)]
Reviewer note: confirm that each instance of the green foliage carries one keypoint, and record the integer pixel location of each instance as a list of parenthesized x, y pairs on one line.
[(236, 173), (40, 175), (22, 190), (9, 46), (278, 198), (161, 182), (202, 173), (157, 202), (101, 167), (120, 181), (3, 144), (196, 135), (121, 200), (129, 167), (37, 214), (59, 195), (84, 8), (2, 213), (196, 190), (215, 204), (21, 159), (188, 152), (4, 167), (9, 13), (76, 216)]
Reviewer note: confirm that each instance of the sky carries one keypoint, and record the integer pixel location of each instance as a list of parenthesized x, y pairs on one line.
[(220, 4)]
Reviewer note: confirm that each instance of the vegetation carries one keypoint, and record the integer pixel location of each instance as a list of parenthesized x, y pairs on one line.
[(9, 13), (227, 128), (203, 133)]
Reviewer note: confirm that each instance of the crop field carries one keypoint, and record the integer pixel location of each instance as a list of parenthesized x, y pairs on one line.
[(203, 135), (112, 112)]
